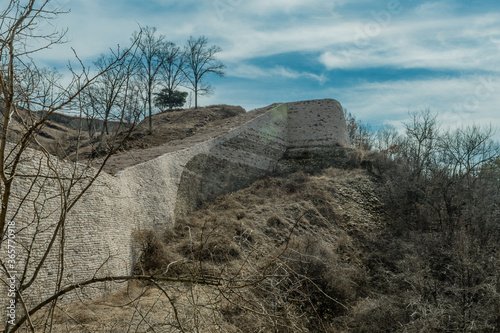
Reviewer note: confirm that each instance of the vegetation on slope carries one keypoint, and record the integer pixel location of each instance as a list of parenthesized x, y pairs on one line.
[(60, 134), (399, 242), (287, 250)]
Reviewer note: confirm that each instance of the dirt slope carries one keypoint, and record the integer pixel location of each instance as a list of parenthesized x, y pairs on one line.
[(177, 130), (307, 230), (174, 130)]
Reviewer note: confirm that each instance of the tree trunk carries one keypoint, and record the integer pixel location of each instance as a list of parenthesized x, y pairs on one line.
[(195, 96), (150, 112)]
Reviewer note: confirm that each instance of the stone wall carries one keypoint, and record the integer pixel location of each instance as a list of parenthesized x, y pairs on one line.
[(98, 233), (317, 123)]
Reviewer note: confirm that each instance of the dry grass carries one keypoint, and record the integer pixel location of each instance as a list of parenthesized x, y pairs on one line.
[(299, 231), (60, 135), (298, 253)]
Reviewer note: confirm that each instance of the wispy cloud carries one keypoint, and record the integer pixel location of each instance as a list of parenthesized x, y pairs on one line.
[(255, 72), (446, 44), (437, 51), (459, 101)]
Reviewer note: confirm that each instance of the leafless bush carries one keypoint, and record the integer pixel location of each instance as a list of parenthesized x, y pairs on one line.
[(153, 256), (359, 133)]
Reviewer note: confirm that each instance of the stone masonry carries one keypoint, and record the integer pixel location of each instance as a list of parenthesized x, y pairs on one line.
[(98, 231)]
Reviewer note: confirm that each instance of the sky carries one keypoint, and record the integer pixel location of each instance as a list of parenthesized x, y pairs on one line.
[(379, 59)]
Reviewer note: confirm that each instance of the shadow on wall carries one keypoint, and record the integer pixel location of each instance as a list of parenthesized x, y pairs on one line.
[(316, 128), (235, 162), (207, 176)]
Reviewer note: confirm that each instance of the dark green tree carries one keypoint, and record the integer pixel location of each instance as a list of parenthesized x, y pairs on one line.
[(168, 98)]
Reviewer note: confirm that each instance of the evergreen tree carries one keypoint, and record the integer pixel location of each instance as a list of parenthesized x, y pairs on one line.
[(168, 98)]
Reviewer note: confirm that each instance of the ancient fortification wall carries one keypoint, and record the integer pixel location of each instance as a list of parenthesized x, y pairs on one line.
[(98, 231)]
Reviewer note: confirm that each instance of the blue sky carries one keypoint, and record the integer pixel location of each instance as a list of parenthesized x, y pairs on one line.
[(379, 59)]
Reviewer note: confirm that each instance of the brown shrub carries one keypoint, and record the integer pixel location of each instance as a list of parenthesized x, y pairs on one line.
[(84, 316), (217, 250), (382, 314), (274, 221), (329, 283), (153, 255), (291, 187), (240, 214)]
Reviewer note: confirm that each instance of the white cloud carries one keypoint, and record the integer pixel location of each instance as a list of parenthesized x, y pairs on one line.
[(446, 44), (262, 28), (288, 7), (428, 36), (254, 72), (459, 101), (247, 43)]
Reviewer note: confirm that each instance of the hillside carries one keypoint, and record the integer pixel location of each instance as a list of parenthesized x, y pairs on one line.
[(319, 252), (313, 231), (388, 241), (176, 130), (60, 135)]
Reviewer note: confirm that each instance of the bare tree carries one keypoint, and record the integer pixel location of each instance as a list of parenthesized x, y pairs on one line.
[(109, 93), (359, 133), (41, 83), (17, 21), (172, 72), (442, 193), (45, 190), (152, 58), (30, 178), (420, 143), (200, 62), (466, 150), (387, 139)]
